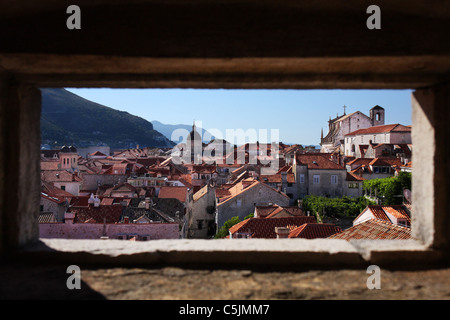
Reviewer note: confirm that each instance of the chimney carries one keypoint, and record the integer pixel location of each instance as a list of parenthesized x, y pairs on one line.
[(147, 203), (68, 217), (91, 199), (282, 232), (96, 202)]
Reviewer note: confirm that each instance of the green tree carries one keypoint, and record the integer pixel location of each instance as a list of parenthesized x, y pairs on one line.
[(389, 190), (335, 207), (223, 231)]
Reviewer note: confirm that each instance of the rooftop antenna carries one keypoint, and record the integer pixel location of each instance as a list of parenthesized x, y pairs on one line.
[(344, 108)]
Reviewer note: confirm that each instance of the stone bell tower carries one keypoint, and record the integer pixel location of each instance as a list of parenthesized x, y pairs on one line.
[(377, 115)]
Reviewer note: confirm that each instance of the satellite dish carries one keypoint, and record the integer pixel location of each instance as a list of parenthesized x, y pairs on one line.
[(407, 195)]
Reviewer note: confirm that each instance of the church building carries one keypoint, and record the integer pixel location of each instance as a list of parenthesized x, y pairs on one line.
[(342, 125)]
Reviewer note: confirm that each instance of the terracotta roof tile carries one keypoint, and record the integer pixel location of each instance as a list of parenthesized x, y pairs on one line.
[(49, 165), (374, 229), (265, 228), (277, 178), (314, 231), (317, 161), (93, 214), (170, 192), (278, 211), (381, 129), (243, 186), (382, 212), (59, 176), (354, 177)]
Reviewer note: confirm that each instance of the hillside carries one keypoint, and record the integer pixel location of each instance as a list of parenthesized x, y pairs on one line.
[(70, 119)]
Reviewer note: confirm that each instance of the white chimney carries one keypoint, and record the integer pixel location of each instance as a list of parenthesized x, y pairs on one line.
[(96, 202), (282, 232), (91, 199)]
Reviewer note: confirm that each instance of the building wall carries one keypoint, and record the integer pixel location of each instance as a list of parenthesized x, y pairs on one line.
[(244, 204), (365, 139), (325, 187), (71, 187), (352, 123), (301, 179), (91, 181), (95, 230), (51, 206), (401, 138), (353, 192), (200, 213)]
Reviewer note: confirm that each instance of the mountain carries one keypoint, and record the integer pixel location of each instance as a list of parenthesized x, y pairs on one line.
[(168, 129), (72, 120)]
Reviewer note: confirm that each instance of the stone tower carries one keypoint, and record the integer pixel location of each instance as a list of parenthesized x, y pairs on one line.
[(68, 157), (377, 115)]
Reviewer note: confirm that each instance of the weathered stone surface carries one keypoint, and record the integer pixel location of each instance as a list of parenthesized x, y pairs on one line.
[(20, 281)]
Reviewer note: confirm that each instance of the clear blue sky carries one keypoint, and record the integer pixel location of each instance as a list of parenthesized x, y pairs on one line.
[(299, 115)]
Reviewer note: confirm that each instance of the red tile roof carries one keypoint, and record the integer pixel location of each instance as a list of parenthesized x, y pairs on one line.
[(169, 192), (314, 231), (245, 185), (381, 212), (49, 165), (277, 178), (381, 129), (265, 228), (59, 176), (97, 153), (374, 229), (93, 214), (367, 162), (317, 161), (354, 177), (50, 189), (275, 210)]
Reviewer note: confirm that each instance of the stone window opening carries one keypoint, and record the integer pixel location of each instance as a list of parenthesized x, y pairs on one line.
[(23, 73), (364, 250)]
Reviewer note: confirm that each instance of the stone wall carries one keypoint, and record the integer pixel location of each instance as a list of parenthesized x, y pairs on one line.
[(324, 187), (95, 230)]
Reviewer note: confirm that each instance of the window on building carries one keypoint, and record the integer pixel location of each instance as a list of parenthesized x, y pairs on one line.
[(334, 179), (302, 178), (63, 188), (316, 179)]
